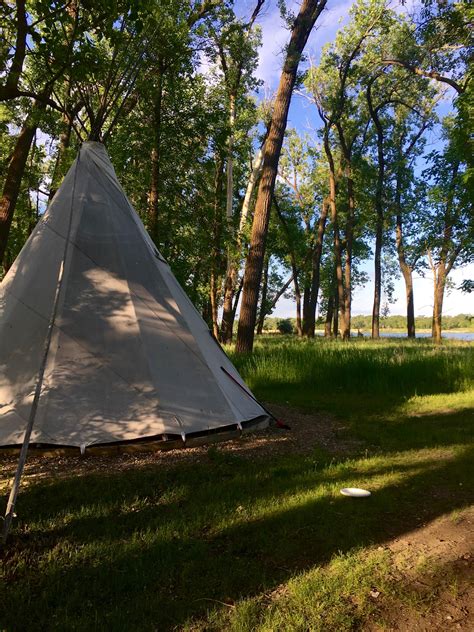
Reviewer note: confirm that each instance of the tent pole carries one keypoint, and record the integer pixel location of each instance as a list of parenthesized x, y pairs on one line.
[(271, 415), (10, 511)]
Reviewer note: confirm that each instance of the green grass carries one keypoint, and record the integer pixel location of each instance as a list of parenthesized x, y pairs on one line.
[(378, 387), (256, 544)]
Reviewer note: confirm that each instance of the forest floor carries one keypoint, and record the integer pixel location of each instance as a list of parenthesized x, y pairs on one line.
[(253, 534)]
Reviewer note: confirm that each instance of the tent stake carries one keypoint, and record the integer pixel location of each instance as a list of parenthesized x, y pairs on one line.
[(10, 511)]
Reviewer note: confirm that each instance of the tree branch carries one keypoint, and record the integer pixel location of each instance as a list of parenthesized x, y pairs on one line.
[(431, 74)]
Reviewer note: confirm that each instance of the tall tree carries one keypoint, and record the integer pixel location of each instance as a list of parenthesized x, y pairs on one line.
[(235, 50), (450, 224), (302, 26), (335, 86)]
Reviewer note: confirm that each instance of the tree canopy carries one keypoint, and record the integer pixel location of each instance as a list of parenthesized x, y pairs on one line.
[(244, 209)]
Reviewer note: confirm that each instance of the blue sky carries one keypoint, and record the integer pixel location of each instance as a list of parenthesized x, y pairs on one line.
[(304, 118)]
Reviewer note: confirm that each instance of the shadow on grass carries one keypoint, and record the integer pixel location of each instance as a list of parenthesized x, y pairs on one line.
[(148, 549), (415, 432)]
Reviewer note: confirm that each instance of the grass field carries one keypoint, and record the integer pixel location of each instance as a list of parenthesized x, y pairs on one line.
[(243, 544)]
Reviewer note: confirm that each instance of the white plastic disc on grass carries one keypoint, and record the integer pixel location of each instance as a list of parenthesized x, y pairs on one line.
[(355, 492)]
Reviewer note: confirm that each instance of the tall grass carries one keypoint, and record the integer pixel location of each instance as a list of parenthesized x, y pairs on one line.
[(320, 372)]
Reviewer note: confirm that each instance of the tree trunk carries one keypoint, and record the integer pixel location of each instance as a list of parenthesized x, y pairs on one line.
[(439, 285), (227, 322), (316, 266), (346, 325), (407, 276), (380, 213), (64, 140), (231, 273), (214, 303), (335, 331), (14, 175), (294, 266), (236, 300), (339, 302), (216, 252), (263, 300), (230, 160), (206, 313), (254, 176), (33, 214), (329, 313), (377, 277), (299, 328), (339, 299), (228, 312), (302, 26), (306, 303), (154, 196), (447, 257)]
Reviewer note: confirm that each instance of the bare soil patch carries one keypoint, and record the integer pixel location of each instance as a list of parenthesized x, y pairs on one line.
[(307, 431), (433, 574)]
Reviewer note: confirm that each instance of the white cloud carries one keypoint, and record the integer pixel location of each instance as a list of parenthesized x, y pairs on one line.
[(275, 36)]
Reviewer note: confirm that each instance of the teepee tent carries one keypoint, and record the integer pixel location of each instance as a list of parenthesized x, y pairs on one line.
[(92, 307)]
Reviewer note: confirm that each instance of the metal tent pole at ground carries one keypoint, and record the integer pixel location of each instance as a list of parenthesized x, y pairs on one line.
[(10, 510)]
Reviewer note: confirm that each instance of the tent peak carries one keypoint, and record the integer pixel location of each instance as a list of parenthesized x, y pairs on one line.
[(93, 143)]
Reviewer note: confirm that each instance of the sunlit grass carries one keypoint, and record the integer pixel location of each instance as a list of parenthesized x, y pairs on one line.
[(312, 372)]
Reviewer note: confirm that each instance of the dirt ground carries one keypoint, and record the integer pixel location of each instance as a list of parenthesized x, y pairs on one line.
[(435, 566), (306, 431), (434, 563)]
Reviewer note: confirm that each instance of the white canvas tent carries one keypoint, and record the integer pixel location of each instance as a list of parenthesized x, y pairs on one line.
[(129, 357)]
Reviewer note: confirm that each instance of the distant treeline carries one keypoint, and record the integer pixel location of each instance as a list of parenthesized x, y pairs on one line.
[(461, 321)]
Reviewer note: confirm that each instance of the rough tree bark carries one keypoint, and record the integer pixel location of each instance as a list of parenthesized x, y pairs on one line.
[(329, 313), (405, 268), (294, 266), (374, 114), (339, 298), (233, 81), (216, 253), (263, 299), (303, 24), (154, 195), (10, 89), (14, 175), (349, 233), (335, 330), (439, 284), (299, 328), (310, 319), (447, 257), (228, 312), (42, 98)]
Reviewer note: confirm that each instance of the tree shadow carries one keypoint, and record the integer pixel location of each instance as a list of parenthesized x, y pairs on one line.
[(153, 549)]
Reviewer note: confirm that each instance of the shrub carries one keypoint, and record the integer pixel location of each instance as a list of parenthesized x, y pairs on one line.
[(285, 326)]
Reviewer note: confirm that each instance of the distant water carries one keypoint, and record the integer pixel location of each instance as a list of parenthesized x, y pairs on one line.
[(454, 335)]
